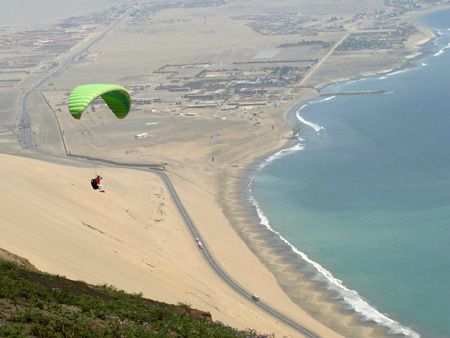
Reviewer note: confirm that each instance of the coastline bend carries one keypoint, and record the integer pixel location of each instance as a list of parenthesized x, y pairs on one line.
[(206, 254), (25, 137)]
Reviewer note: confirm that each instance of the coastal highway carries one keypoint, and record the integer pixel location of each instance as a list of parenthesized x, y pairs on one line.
[(25, 132), (159, 170), (26, 139), (324, 58), (209, 258)]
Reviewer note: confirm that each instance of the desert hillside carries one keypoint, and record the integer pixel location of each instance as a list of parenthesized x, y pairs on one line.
[(44, 305), (131, 237)]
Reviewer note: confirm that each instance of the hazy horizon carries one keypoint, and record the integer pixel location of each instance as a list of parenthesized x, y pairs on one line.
[(30, 13)]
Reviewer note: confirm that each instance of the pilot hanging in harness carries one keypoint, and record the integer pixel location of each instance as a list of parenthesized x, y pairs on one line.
[(96, 183)]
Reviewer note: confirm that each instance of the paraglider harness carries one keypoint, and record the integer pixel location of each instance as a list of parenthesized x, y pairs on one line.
[(94, 183)]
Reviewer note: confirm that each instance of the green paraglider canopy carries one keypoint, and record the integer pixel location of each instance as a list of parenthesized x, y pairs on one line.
[(115, 96)]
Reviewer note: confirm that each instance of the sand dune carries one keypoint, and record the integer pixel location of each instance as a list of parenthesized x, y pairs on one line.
[(131, 237)]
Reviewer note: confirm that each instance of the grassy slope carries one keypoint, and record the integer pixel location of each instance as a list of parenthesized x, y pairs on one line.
[(43, 305)]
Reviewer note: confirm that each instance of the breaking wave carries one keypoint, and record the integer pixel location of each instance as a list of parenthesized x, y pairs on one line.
[(349, 298), (314, 126), (442, 50), (401, 71)]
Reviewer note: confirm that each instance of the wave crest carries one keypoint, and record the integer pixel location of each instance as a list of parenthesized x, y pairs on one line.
[(349, 298)]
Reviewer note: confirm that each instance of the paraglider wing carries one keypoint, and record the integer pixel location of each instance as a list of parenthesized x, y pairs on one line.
[(115, 96)]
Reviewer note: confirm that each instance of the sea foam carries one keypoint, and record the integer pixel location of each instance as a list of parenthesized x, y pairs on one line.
[(314, 126), (349, 298), (442, 50), (401, 71), (356, 80)]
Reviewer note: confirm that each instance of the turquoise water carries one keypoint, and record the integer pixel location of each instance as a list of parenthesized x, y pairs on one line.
[(368, 196)]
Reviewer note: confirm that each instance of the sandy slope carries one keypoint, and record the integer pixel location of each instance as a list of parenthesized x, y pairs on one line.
[(131, 237)]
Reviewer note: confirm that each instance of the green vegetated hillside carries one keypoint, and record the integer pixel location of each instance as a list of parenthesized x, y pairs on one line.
[(42, 305)]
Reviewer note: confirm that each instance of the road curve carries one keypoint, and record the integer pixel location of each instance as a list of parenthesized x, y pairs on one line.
[(25, 132), (219, 270), (26, 138), (158, 169)]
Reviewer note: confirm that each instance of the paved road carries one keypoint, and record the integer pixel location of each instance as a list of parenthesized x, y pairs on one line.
[(26, 138), (219, 270), (324, 58), (197, 237), (25, 132)]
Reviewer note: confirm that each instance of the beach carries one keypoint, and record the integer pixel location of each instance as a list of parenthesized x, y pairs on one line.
[(319, 212), (293, 270), (133, 236)]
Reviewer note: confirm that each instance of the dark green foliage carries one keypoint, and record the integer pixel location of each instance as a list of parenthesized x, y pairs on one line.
[(43, 305)]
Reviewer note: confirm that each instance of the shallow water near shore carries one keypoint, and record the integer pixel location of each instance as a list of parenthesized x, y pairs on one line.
[(366, 193)]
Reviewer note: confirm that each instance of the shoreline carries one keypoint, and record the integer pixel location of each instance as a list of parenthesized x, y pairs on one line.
[(290, 253), (273, 254), (60, 242)]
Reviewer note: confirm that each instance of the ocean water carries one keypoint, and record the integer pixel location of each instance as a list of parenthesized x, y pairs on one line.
[(366, 192)]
